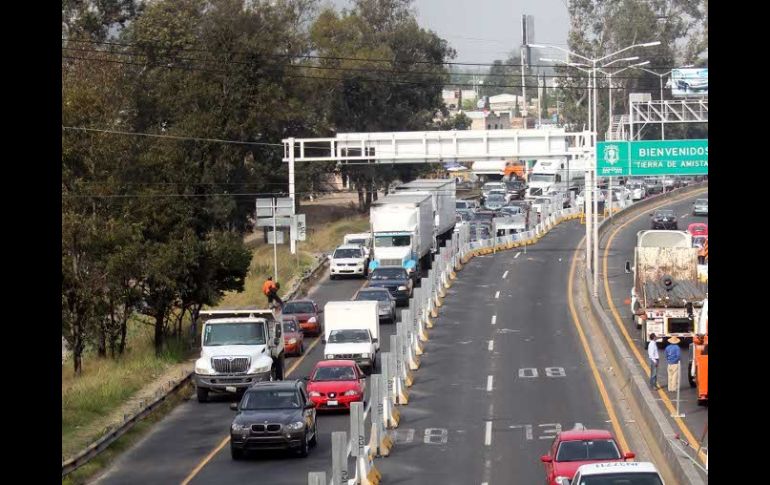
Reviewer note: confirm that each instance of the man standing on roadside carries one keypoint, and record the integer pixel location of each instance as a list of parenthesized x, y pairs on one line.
[(270, 290), (673, 356), (652, 353)]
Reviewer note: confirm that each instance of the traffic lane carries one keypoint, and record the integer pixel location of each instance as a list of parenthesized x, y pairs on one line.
[(543, 381), (622, 250), (178, 443), (285, 467), (441, 433)]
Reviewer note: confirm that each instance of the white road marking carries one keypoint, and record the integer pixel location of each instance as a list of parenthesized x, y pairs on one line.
[(491, 346), (494, 319), (488, 434), (497, 295), (517, 255), (489, 383), (505, 274)]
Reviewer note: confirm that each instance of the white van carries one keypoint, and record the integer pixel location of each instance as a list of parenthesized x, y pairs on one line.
[(352, 331)]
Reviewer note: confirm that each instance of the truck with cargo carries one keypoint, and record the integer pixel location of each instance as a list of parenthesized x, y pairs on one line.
[(402, 229), (238, 349), (352, 331), (666, 297), (562, 174), (443, 193)]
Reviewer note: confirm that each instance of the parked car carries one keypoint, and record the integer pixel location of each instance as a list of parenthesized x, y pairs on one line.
[(632, 473), (275, 415), (572, 449), (308, 315), (335, 384), (698, 229), (395, 279), (664, 219), (293, 338), (348, 259), (700, 207), (386, 304)]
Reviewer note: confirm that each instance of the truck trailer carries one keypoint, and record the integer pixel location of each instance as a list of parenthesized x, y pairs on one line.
[(443, 194)]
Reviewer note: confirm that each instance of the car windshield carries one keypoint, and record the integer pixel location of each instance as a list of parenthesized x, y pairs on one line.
[(372, 296), (216, 334), (347, 336), (461, 204), (341, 373), (290, 326), (495, 198), (347, 253), (665, 213), (392, 241), (622, 479), (542, 177), (293, 307), (360, 242), (389, 274), (702, 202), (587, 450), (270, 399)]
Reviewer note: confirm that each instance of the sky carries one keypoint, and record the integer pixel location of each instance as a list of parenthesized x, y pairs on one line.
[(484, 30)]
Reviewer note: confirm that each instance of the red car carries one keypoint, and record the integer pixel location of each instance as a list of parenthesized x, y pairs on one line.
[(570, 449), (698, 229), (334, 384), (308, 315), (293, 338)]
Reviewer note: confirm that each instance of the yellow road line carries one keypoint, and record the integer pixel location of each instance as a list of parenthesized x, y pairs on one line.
[(619, 321), (598, 378)]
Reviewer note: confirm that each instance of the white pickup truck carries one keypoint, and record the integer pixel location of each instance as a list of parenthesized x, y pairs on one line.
[(238, 348)]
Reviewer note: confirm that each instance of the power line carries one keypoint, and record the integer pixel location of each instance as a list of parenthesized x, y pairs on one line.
[(318, 57), (300, 76), (173, 137)]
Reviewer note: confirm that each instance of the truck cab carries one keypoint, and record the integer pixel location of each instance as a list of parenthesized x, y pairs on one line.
[(238, 349)]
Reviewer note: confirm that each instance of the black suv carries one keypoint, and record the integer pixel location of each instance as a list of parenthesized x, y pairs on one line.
[(274, 415), (395, 279), (664, 219)]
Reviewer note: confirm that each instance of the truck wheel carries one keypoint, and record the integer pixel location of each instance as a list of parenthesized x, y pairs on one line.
[(203, 394), (235, 453)]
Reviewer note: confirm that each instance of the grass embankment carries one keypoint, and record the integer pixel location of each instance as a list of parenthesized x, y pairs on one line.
[(320, 240)]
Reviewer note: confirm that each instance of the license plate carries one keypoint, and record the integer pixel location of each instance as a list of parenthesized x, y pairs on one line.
[(231, 389), (331, 403)]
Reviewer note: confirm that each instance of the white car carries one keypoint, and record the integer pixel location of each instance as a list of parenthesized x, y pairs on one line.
[(630, 472), (348, 259)]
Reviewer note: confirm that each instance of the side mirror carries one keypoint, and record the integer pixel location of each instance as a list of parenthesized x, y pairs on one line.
[(629, 455), (306, 378), (546, 459), (628, 266), (234, 406)]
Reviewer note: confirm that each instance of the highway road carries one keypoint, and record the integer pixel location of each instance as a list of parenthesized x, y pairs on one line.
[(190, 445), (503, 371), (618, 289)]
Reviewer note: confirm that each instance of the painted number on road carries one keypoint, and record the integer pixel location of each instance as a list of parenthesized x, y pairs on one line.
[(550, 431), (547, 431), (531, 372), (435, 436), (404, 435)]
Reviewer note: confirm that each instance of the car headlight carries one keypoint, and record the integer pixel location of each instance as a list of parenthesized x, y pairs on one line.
[(296, 426), (402, 288), (351, 392), (314, 394), (203, 370), (365, 355), (329, 356), (311, 320), (238, 428), (561, 480), (292, 341), (259, 369)]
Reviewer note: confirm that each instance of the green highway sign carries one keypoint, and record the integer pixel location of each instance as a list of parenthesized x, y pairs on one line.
[(654, 157)]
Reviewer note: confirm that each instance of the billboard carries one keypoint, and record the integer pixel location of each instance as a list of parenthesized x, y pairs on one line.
[(690, 82)]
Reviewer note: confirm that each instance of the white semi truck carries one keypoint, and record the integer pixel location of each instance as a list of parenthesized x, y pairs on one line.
[(402, 229), (666, 297), (443, 194), (555, 174), (238, 349)]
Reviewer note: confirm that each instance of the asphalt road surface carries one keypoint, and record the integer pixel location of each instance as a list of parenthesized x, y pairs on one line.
[(620, 284), (189, 443), (503, 371)]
